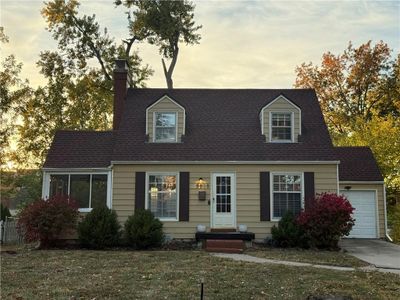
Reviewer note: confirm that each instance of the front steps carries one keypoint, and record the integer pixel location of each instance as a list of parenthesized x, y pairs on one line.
[(225, 246), (225, 240)]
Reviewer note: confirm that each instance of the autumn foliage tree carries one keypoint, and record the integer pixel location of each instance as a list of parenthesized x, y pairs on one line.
[(356, 84), (359, 94)]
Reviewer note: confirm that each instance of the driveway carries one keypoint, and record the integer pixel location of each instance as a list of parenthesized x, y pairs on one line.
[(376, 252)]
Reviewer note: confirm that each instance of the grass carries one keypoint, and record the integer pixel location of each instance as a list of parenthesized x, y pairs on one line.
[(84, 274), (331, 258)]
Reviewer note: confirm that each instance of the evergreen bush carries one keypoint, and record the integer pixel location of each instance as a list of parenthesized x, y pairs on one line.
[(143, 230), (99, 229)]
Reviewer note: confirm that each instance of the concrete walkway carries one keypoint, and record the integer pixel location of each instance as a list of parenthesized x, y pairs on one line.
[(253, 259), (379, 253)]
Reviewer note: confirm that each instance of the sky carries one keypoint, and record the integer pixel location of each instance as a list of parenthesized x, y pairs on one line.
[(245, 44)]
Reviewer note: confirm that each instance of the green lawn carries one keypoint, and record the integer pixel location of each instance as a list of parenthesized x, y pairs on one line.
[(80, 274), (332, 258)]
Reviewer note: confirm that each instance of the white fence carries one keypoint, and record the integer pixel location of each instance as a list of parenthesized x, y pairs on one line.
[(9, 233)]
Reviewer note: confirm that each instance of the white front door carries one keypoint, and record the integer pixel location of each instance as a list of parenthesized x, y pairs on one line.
[(364, 204), (223, 206)]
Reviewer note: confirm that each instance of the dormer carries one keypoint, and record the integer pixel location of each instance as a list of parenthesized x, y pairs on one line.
[(165, 121), (281, 121)]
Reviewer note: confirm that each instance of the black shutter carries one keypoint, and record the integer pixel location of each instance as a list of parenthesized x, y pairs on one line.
[(309, 189), (265, 201), (184, 185), (140, 190)]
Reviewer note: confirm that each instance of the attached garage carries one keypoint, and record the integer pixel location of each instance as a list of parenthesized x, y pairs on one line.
[(362, 182), (365, 213)]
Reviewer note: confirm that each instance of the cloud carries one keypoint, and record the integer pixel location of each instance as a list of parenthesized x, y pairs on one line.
[(244, 43)]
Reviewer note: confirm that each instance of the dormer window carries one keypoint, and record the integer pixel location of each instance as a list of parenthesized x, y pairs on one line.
[(165, 130), (281, 121), (165, 121), (281, 126)]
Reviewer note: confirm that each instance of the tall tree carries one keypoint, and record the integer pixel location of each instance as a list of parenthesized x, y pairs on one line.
[(164, 24), (80, 39), (359, 93), (78, 93), (357, 83), (14, 92)]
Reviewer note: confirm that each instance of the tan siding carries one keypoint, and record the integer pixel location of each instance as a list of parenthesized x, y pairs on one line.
[(380, 198), (165, 105), (281, 105), (247, 192)]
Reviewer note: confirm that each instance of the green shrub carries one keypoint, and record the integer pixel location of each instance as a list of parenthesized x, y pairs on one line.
[(44, 220), (99, 229), (288, 233), (143, 230), (395, 230), (4, 212)]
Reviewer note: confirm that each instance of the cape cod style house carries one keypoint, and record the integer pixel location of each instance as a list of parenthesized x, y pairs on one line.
[(216, 157)]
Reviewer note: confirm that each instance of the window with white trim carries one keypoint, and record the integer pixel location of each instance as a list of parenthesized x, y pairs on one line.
[(165, 127), (281, 127), (162, 198), (286, 194), (89, 190)]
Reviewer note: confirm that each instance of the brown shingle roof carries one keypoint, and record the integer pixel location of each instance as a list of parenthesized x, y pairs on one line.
[(80, 149), (222, 125), (357, 164)]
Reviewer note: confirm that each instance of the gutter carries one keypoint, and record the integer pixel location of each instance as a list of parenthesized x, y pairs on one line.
[(234, 162), (385, 211)]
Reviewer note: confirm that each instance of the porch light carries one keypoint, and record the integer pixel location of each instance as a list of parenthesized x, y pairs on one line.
[(201, 184)]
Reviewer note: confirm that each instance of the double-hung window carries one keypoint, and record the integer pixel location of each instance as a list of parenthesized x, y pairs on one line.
[(281, 126), (286, 194), (162, 196), (89, 190), (165, 127)]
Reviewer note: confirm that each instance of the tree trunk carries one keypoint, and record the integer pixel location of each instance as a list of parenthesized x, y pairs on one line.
[(168, 73)]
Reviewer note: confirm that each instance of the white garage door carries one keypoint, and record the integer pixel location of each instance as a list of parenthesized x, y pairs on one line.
[(365, 213)]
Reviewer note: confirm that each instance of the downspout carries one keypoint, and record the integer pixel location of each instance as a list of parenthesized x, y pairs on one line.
[(44, 185), (385, 211)]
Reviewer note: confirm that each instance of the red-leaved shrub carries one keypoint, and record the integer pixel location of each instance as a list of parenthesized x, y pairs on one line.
[(44, 220), (327, 220)]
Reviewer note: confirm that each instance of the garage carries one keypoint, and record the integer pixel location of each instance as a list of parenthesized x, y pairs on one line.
[(365, 215)]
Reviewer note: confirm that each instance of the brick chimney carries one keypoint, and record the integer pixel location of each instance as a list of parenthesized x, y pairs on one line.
[(120, 89)]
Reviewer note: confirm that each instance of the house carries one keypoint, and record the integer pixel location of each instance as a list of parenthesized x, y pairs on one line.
[(216, 157)]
